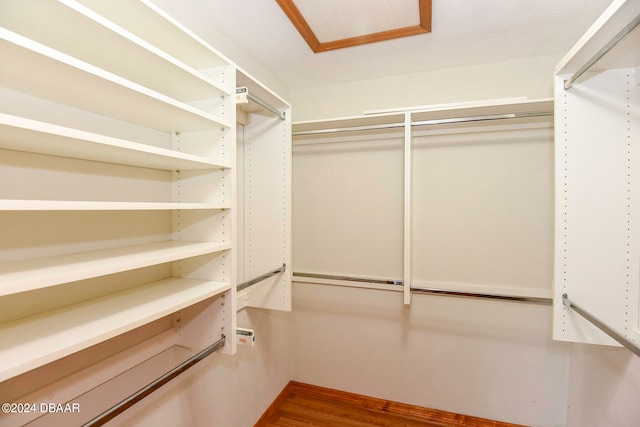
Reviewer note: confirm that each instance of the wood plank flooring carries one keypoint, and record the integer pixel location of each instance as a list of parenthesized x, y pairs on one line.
[(304, 405)]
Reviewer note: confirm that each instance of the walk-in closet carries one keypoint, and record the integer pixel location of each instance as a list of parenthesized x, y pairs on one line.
[(329, 213)]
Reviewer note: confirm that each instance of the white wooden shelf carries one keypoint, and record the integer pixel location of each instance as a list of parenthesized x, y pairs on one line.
[(597, 255), (28, 343), (123, 84), (117, 47), (38, 70), (393, 120), (22, 134), (150, 23), (90, 205), (37, 273), (625, 55)]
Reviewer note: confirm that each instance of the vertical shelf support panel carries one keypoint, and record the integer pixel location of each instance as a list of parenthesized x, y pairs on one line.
[(597, 251), (267, 210), (407, 209)]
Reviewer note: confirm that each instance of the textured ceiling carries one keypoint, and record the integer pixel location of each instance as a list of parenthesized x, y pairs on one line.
[(464, 32)]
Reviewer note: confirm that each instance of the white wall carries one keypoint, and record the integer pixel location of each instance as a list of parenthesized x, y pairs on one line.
[(482, 358), (604, 387)]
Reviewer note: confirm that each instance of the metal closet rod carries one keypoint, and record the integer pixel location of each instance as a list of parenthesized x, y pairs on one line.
[(602, 52), (429, 290), (258, 279), (431, 122), (601, 325), (125, 404), (266, 105)]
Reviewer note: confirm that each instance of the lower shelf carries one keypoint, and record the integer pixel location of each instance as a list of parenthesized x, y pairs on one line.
[(96, 399), (28, 343)]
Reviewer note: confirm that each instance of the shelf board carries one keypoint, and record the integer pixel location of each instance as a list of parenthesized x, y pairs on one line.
[(625, 55), (90, 205), (22, 134), (40, 71), (149, 22), (260, 91), (117, 47), (395, 119), (35, 341), (37, 273), (487, 108)]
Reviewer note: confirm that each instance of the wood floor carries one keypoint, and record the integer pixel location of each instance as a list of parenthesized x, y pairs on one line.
[(303, 405)]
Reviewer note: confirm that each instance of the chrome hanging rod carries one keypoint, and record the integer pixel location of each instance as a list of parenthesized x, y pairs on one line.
[(429, 290), (266, 106), (602, 326), (258, 279), (125, 404), (349, 278), (431, 122), (602, 52), (494, 296)]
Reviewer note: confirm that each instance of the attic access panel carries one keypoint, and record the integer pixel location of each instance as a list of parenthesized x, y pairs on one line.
[(335, 24)]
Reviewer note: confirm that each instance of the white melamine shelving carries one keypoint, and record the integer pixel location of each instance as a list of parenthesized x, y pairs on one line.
[(624, 55), (30, 274), (28, 343), (265, 183), (119, 131), (426, 149), (147, 21), (22, 134), (38, 70), (117, 47), (597, 250), (90, 205)]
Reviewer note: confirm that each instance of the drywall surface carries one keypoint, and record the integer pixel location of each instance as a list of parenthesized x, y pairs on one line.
[(531, 78), (484, 358), (604, 385)]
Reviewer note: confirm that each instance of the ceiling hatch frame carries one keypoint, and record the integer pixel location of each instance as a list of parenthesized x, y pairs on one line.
[(296, 18)]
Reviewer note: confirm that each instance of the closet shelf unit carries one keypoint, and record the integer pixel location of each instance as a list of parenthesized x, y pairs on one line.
[(455, 115), (118, 46), (47, 73), (144, 112), (264, 144), (597, 142), (407, 124)]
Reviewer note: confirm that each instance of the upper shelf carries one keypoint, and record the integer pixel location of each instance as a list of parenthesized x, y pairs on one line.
[(150, 23), (257, 99), (66, 20), (38, 70), (21, 134), (449, 114), (626, 54)]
